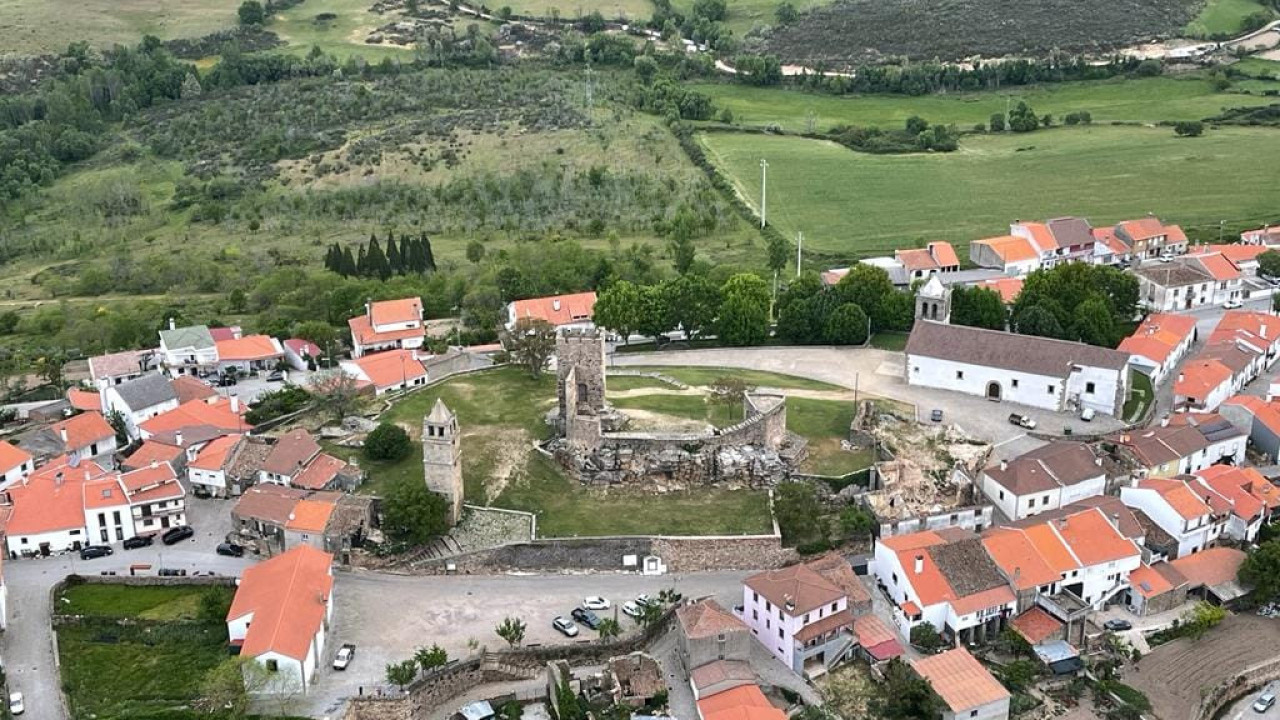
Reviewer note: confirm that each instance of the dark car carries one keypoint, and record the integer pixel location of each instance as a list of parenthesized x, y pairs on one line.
[(586, 617), (231, 549), (177, 535), (936, 416), (1116, 625), (94, 551), (227, 381), (138, 541)]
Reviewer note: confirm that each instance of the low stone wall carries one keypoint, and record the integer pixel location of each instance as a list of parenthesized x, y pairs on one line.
[(696, 554), (1235, 688)]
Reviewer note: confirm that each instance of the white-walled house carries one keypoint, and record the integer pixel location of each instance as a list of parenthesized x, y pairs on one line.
[(157, 499), (388, 325), (385, 372), (1183, 444), (47, 511), (1039, 372), (1044, 479), (1160, 343), (967, 690), (1178, 510), (188, 350), (207, 468), (1229, 492), (280, 617), (563, 312), (798, 615), (289, 457), (140, 399), (107, 513), (15, 464), (115, 368)]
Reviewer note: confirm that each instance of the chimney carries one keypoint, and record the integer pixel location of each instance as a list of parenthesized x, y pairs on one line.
[(1017, 573), (789, 602), (155, 463), (919, 564), (172, 324), (1114, 519), (555, 304), (1098, 461), (63, 432), (86, 476), (177, 437), (1004, 465), (235, 403), (1164, 421), (57, 478), (1181, 376), (368, 309)]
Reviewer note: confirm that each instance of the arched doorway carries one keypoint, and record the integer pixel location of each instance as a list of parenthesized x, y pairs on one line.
[(993, 391)]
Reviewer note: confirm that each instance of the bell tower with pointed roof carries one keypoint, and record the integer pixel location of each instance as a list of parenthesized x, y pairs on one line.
[(442, 457)]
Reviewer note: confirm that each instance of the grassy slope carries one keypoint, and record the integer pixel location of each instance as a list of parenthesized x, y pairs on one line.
[(850, 204), (40, 26), (1219, 17), (342, 36), (691, 407), (746, 14), (631, 10), (708, 375), (1146, 100)]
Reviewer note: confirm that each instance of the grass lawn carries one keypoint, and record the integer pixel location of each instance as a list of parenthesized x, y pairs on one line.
[(565, 508), (1141, 395), (705, 376), (343, 35), (1258, 67), (742, 15), (889, 340), (1223, 17), (627, 382), (825, 423), (166, 602), (1144, 100), (689, 407), (852, 204), (37, 26)]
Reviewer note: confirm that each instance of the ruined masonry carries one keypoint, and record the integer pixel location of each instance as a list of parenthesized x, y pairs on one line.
[(442, 457), (592, 442)]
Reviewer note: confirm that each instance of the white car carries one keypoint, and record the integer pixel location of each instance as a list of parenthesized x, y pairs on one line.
[(595, 602), (1087, 414), (344, 657), (566, 626), (631, 609), (644, 600), (16, 706), (1166, 258), (1233, 305)]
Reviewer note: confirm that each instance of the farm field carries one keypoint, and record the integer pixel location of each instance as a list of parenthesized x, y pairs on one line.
[(302, 27), (852, 205), (1223, 17), (39, 26), (1141, 100)]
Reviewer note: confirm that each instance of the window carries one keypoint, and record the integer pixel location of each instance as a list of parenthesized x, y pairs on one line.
[(779, 613), (119, 533), (833, 607), (102, 518), (806, 618), (1050, 389), (105, 536), (755, 614), (1045, 501), (1088, 388), (721, 637), (755, 597), (895, 577), (779, 632), (93, 449), (1014, 382), (1031, 503), (115, 517), (1001, 494), (273, 666), (767, 624), (973, 713), (959, 374)]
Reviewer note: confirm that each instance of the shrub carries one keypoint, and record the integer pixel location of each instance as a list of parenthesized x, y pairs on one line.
[(1188, 128), (388, 442)]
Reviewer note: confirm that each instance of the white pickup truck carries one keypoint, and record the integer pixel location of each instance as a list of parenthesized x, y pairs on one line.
[(344, 656)]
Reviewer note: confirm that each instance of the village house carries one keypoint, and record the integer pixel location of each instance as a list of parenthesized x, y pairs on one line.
[(1260, 417), (386, 372), (1159, 344), (1244, 257), (1178, 511), (711, 634), (1265, 235), (289, 456), (801, 615), (189, 388), (280, 617), (301, 354), (1044, 479), (907, 266), (262, 512), (153, 451), (966, 688), (1174, 286), (248, 354), (388, 325), (1011, 255), (1242, 346), (85, 436), (1193, 443), (1065, 239), (1204, 383), (15, 464), (1149, 238), (1039, 372), (563, 312), (140, 399), (208, 469), (1108, 248), (1155, 589), (113, 369), (1228, 491), (222, 414), (1213, 574), (156, 498), (187, 350), (47, 509), (744, 702), (1008, 287), (83, 400)]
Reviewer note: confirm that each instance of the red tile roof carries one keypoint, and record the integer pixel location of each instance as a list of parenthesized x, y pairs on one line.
[(84, 399), (744, 702), (707, 618), (1229, 492), (1017, 556), (366, 335), (51, 499), (943, 253), (117, 364), (391, 368), (291, 453), (104, 492), (11, 456), (319, 473), (1010, 249), (960, 680), (1235, 253), (797, 589), (1158, 336), (916, 259), (1210, 567), (1093, 539), (287, 596), (830, 623), (268, 502), (250, 347), (394, 312), (1036, 625), (151, 451), (1143, 229), (1107, 236), (871, 632), (310, 516), (1009, 288), (189, 388), (214, 455), (1186, 503), (302, 348), (1148, 582), (215, 412), (1200, 377), (556, 309), (224, 333), (1218, 266), (1041, 237), (83, 430)]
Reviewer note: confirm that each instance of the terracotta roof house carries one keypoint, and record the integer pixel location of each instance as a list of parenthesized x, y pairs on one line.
[(800, 616), (1160, 343), (189, 388), (966, 688), (720, 675), (1037, 626), (745, 702), (140, 399), (877, 642), (151, 451), (223, 413), (563, 312), (84, 400), (115, 368), (301, 354), (1009, 288), (327, 472), (1203, 384), (187, 350), (47, 510), (1244, 257), (1044, 479), (1229, 492), (709, 632), (1148, 237), (87, 435), (1156, 588), (249, 353), (290, 455), (386, 372), (1108, 247), (1174, 286), (281, 613), (1041, 372), (920, 263), (388, 325), (207, 471), (1212, 573), (1169, 448), (1120, 515), (15, 464), (1179, 510), (1011, 255), (1265, 235)]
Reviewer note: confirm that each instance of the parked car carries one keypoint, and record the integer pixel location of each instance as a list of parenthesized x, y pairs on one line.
[(1022, 421), (936, 415), (345, 654), (565, 626), (1261, 705), (1117, 625), (631, 609), (586, 617), (230, 549), (227, 380), (595, 602), (90, 552), (275, 376), (177, 534), (645, 601), (1088, 414), (1232, 305), (16, 705), (1166, 258), (139, 541)]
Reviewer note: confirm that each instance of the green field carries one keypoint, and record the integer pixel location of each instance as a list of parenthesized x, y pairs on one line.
[(852, 204), (343, 35), (743, 15), (38, 26), (708, 375), (629, 10), (164, 602), (688, 407), (1223, 17), (1142, 100)]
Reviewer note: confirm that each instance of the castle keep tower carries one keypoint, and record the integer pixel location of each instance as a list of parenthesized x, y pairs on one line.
[(442, 457)]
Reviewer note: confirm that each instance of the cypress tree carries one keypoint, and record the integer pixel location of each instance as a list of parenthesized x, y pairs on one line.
[(394, 261), (362, 264), (406, 255), (349, 268), (428, 257), (377, 261), (330, 263)]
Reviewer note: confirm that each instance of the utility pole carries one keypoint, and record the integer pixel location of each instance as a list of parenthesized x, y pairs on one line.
[(1007, 100), (764, 192), (799, 250), (1221, 227)]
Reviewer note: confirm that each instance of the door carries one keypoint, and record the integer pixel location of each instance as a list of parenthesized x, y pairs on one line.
[(993, 391)]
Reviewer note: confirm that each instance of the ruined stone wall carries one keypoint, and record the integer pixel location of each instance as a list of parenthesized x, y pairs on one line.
[(697, 554)]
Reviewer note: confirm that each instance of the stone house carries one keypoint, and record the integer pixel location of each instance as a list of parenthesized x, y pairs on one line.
[(709, 633)]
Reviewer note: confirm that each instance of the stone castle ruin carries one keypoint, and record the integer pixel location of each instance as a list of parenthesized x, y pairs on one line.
[(593, 443)]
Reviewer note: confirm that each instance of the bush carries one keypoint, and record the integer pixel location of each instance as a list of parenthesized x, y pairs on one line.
[(1188, 128), (388, 442), (277, 404)]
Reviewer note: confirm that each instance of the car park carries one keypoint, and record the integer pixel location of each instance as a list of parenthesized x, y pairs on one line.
[(1117, 625), (177, 534), (139, 541), (565, 626), (230, 549), (632, 610), (90, 552), (1022, 421), (17, 705), (586, 617), (345, 655), (1264, 702), (595, 602)]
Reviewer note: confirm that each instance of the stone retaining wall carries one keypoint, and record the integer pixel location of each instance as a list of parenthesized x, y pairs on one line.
[(1237, 687)]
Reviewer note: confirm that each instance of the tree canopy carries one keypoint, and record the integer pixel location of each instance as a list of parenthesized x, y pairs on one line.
[(1077, 301), (978, 307)]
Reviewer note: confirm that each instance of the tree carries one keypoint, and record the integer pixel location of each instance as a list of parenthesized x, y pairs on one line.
[(1269, 264), (646, 68), (511, 629), (868, 287), (903, 695), (395, 262), (654, 317), (978, 307), (388, 443), (693, 302), (475, 251), (682, 253), (650, 614), (215, 601), (227, 690), (847, 325), (1022, 118), (1036, 320), (414, 514), (1094, 324), (997, 122), (786, 13), (430, 658), (49, 368), (190, 87), (802, 322), (532, 344), (609, 629), (1019, 674), (617, 309), (799, 513), (925, 636), (1188, 128), (857, 522), (1202, 618), (402, 673), (9, 321), (713, 10), (744, 312), (1261, 570), (336, 393), (252, 13), (116, 420), (779, 251)]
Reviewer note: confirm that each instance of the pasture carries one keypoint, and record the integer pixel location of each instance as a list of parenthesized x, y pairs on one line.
[(852, 205), (39, 26), (1223, 17)]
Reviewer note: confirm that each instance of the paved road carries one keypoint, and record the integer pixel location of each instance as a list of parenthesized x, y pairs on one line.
[(1242, 709), (27, 647)]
